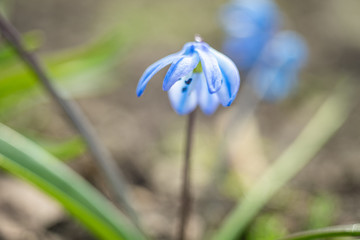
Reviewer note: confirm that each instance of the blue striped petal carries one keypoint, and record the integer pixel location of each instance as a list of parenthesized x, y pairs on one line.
[(153, 69), (209, 66), (179, 69), (231, 79), (208, 101), (183, 96)]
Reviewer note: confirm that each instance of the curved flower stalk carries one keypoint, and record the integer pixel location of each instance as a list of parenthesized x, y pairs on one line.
[(198, 75), (249, 25), (275, 74)]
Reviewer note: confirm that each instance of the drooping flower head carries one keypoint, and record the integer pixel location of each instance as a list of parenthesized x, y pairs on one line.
[(276, 72), (248, 24), (198, 75)]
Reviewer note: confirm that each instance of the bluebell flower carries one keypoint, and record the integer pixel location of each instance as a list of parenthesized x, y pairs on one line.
[(198, 75), (275, 74), (249, 25)]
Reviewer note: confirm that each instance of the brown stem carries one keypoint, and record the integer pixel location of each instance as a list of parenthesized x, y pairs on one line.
[(185, 197)]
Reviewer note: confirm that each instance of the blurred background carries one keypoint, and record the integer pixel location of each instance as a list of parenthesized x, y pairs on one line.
[(97, 50)]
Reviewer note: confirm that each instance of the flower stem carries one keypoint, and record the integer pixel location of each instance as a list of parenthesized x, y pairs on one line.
[(101, 155), (185, 197)]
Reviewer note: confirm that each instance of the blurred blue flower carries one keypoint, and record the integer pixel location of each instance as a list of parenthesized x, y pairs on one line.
[(249, 24), (275, 74), (198, 75)]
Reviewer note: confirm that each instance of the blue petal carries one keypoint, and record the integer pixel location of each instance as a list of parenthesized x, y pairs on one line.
[(231, 78), (249, 25), (281, 88), (245, 51), (182, 96), (243, 18), (285, 47), (208, 101), (210, 67), (274, 84), (275, 75), (153, 69), (179, 69)]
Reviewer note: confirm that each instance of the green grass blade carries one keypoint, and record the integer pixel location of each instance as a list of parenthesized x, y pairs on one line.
[(336, 231), (25, 159), (324, 124)]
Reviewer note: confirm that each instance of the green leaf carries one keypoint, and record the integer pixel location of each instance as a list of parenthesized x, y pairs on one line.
[(336, 231), (27, 160)]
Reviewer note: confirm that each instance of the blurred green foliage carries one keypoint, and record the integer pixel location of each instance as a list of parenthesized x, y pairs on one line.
[(78, 71), (322, 211), (64, 150), (232, 187), (30, 162), (8, 57), (267, 227), (315, 134)]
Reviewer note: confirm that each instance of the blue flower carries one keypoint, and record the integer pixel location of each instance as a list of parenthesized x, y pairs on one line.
[(249, 25), (275, 74), (198, 75)]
